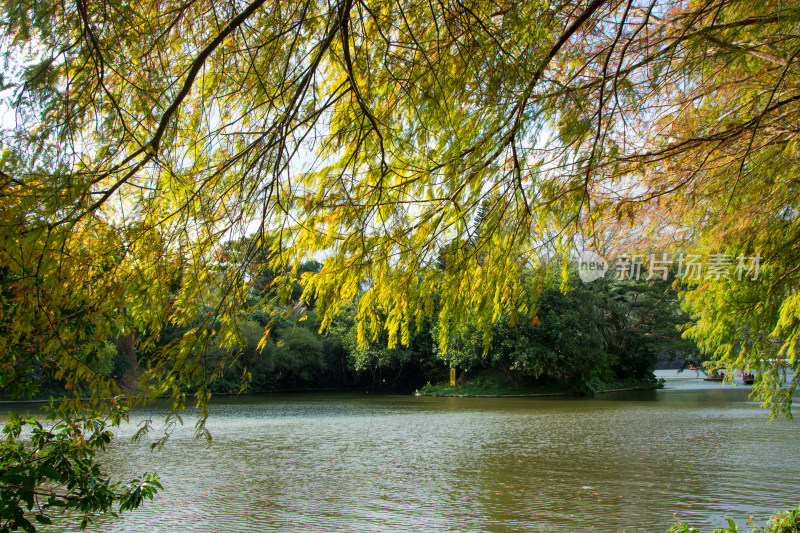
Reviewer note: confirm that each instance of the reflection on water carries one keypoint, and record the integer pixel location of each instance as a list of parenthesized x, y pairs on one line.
[(620, 462)]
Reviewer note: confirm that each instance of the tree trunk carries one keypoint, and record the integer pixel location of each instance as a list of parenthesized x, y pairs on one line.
[(512, 376), (128, 381)]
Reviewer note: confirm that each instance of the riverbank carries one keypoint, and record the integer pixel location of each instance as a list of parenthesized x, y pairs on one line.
[(483, 388)]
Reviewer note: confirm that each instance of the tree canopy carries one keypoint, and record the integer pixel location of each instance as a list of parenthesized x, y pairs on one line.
[(141, 137)]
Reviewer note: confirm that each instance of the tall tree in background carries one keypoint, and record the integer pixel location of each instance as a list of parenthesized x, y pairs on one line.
[(141, 136)]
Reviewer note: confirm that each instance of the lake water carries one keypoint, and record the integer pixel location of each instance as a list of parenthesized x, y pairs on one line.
[(619, 462)]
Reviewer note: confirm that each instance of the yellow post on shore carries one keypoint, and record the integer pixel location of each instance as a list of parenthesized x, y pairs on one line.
[(452, 377)]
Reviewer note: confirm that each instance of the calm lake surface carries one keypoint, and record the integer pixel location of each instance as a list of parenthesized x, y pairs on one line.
[(619, 462)]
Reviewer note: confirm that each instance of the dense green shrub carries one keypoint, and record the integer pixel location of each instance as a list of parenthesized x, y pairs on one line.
[(299, 358)]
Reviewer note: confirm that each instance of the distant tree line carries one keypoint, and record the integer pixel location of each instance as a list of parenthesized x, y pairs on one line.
[(577, 337)]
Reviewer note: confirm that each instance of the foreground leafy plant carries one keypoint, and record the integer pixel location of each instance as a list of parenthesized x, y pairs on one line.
[(48, 469), (783, 522)]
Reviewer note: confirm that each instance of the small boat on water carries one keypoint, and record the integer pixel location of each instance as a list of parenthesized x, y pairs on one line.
[(718, 375)]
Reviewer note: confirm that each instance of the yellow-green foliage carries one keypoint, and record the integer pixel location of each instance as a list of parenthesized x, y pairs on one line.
[(150, 136)]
